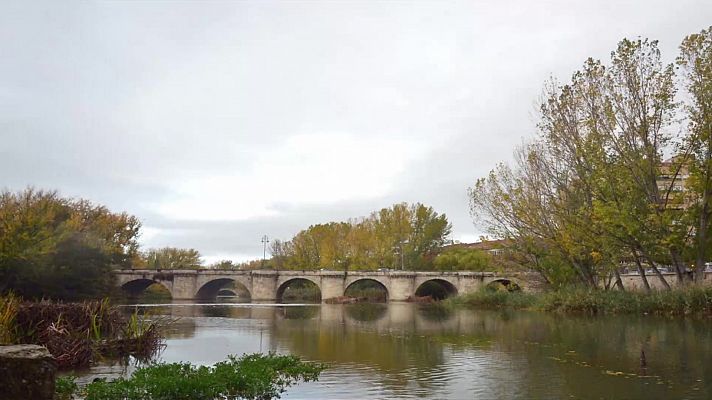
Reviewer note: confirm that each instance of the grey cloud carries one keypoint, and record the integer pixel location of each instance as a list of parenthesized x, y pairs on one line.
[(120, 102)]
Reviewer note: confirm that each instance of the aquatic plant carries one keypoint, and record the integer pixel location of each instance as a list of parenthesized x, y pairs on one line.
[(65, 387), (139, 336), (253, 376)]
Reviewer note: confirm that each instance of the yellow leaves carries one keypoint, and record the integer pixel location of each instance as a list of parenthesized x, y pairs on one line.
[(371, 242), (596, 256)]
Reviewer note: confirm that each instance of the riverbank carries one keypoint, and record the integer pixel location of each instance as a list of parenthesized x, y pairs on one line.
[(687, 301)]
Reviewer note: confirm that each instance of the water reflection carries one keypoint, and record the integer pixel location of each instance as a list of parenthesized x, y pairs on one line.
[(300, 313), (366, 312), (436, 312), (428, 351)]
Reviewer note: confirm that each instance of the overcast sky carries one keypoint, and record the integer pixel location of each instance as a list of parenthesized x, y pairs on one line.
[(218, 122)]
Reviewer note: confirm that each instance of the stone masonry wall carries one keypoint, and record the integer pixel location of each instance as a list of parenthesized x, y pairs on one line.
[(26, 372)]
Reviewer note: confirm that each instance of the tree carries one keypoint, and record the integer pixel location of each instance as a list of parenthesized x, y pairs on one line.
[(587, 191), (61, 248), (463, 259), (367, 243), (224, 264), (695, 61), (172, 258)]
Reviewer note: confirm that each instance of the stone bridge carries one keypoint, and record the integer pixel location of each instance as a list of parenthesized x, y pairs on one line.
[(270, 285)]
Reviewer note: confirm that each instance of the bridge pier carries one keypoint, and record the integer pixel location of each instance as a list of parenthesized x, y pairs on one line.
[(402, 286), (332, 285), (264, 285), (184, 286)]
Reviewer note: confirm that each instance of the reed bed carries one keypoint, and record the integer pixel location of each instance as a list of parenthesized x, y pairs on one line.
[(693, 300), (76, 334)]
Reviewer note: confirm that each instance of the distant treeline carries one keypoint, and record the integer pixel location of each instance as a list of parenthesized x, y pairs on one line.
[(407, 235)]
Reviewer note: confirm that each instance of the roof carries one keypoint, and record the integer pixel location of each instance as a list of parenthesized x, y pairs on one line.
[(483, 245)]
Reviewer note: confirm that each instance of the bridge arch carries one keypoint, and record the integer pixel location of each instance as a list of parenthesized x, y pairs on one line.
[(211, 289), (436, 288), (135, 287), (303, 281), (375, 283), (227, 292), (508, 284)]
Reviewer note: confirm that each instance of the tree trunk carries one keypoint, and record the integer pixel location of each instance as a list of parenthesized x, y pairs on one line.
[(586, 279), (655, 269), (679, 267), (641, 271), (590, 279), (619, 282), (659, 274), (704, 221), (702, 241)]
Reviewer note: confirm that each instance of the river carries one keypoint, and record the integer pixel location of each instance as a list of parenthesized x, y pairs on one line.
[(409, 351)]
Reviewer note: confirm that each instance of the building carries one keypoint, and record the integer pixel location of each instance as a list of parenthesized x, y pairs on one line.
[(495, 248), (672, 181)]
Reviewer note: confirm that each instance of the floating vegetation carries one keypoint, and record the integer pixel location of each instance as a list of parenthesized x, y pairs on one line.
[(253, 376)]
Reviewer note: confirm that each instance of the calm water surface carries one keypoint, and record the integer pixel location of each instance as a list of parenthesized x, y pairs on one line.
[(407, 351)]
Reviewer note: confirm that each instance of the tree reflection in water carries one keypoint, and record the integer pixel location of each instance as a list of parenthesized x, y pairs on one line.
[(298, 312), (366, 312), (435, 312)]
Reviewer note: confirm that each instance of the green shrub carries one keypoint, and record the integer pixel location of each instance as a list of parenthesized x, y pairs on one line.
[(65, 387)]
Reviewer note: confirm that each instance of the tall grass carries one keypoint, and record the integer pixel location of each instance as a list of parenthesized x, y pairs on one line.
[(8, 312), (687, 301), (138, 336)]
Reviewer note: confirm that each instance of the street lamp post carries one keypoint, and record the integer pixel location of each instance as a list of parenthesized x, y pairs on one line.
[(265, 240), (402, 242), (398, 250), (402, 263)]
